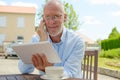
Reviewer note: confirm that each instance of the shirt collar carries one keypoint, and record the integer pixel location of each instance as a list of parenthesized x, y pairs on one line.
[(63, 34), (62, 37)]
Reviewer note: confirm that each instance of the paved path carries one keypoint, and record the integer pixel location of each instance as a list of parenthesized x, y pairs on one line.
[(9, 66)]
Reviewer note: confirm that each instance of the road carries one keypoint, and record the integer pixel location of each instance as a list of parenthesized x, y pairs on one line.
[(9, 66)]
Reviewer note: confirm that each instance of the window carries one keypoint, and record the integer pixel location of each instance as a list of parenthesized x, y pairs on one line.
[(20, 39), (20, 22), (2, 21), (2, 38)]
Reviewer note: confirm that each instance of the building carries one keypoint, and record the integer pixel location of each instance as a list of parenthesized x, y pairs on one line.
[(17, 23), (86, 39), (90, 44)]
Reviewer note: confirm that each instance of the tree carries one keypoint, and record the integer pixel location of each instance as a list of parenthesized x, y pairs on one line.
[(72, 18), (114, 33), (99, 42)]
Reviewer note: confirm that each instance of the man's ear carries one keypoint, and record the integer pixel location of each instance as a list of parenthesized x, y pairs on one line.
[(65, 17)]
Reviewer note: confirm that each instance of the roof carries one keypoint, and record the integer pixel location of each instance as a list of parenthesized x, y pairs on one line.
[(85, 38), (17, 9)]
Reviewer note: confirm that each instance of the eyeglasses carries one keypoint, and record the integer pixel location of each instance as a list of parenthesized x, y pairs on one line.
[(55, 18)]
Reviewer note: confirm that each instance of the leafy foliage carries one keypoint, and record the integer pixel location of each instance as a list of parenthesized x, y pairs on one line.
[(114, 33), (112, 42), (72, 18), (113, 53)]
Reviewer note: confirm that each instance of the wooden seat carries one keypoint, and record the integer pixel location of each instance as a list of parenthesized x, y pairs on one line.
[(90, 65)]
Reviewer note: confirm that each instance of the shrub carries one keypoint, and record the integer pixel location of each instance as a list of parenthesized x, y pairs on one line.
[(113, 53), (112, 43)]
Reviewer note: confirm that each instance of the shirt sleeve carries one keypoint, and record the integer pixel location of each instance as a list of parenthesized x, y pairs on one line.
[(73, 64), (35, 38), (25, 68)]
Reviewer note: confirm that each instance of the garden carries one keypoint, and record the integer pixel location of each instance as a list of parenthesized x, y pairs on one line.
[(109, 56)]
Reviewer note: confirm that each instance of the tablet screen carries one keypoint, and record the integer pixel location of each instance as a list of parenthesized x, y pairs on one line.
[(25, 51)]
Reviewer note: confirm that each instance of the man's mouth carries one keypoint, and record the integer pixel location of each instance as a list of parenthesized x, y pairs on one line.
[(52, 27)]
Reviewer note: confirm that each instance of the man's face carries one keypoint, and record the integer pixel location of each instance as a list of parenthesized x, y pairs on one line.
[(54, 19)]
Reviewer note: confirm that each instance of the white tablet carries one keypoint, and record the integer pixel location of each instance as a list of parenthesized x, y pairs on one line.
[(25, 51)]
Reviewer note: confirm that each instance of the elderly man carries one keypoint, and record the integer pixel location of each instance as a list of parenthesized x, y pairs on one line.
[(69, 46)]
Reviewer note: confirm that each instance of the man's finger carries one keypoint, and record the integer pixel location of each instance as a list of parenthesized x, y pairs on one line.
[(34, 61), (39, 59), (44, 59)]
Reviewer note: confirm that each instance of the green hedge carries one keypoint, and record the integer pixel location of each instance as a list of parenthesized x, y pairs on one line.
[(110, 43)]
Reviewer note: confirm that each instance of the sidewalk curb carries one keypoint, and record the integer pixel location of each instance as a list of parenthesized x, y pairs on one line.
[(112, 73)]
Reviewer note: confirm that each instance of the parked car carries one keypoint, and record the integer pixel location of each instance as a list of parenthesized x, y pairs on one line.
[(9, 51)]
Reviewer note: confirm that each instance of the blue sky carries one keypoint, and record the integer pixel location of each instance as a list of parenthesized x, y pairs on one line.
[(98, 16)]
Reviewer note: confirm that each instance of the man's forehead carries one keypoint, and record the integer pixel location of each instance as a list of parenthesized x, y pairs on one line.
[(55, 14), (53, 11)]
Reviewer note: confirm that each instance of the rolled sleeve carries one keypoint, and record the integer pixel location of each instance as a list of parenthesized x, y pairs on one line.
[(25, 68)]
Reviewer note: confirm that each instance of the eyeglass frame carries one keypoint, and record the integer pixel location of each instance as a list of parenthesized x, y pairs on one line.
[(55, 18)]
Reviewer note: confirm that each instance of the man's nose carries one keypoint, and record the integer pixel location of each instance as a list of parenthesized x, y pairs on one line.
[(52, 21)]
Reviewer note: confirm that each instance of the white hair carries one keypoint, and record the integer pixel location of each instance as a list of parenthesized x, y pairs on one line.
[(55, 2)]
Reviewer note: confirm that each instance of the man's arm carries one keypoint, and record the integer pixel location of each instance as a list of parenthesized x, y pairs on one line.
[(72, 65), (73, 57), (40, 61), (25, 68), (28, 68)]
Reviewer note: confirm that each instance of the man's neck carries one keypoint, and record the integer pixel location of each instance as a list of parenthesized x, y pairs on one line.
[(56, 39)]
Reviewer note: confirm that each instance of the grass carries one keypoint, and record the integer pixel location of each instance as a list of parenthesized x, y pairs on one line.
[(103, 63)]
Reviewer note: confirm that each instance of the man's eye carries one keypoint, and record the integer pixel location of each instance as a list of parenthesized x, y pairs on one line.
[(47, 17), (55, 17)]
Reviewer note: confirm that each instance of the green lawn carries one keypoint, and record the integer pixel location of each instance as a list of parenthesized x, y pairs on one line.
[(102, 62)]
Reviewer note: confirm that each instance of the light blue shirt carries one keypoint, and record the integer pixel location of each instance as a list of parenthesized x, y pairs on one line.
[(70, 50)]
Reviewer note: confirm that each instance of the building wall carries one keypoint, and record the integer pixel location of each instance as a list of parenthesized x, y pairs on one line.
[(11, 30)]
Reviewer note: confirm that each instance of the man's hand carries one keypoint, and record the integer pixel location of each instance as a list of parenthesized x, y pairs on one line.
[(42, 31), (40, 62)]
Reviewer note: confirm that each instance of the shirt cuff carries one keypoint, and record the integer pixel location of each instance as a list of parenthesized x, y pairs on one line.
[(41, 72)]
